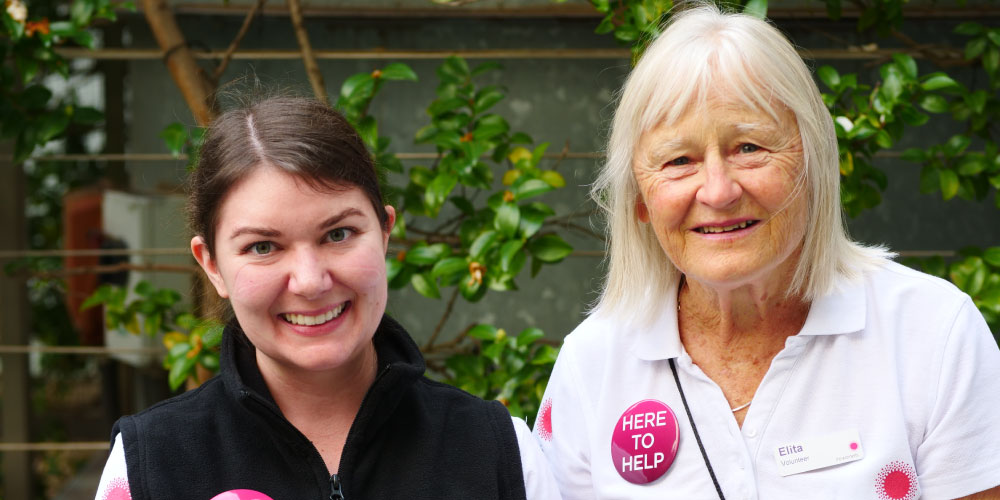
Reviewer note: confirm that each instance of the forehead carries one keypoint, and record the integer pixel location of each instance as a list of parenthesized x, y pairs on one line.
[(270, 196)]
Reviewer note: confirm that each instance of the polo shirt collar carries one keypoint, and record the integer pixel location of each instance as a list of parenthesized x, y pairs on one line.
[(841, 311)]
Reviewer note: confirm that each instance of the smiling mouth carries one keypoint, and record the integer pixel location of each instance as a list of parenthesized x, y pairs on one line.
[(319, 319), (725, 229)]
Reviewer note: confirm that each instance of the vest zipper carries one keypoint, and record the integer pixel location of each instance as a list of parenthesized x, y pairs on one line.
[(337, 493)]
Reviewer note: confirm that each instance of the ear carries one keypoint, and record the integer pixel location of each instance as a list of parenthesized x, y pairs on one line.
[(389, 224), (641, 210), (201, 254)]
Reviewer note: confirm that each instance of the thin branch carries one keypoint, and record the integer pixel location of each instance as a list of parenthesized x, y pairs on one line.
[(114, 268), (308, 58), (444, 318), (562, 155), (228, 56), (585, 230)]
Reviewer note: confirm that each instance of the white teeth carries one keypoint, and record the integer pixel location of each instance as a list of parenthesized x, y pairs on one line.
[(300, 319), (710, 229)]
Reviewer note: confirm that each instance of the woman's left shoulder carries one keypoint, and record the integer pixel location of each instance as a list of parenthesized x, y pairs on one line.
[(894, 284)]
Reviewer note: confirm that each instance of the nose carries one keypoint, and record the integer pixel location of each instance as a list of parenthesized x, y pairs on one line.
[(309, 277), (719, 188)]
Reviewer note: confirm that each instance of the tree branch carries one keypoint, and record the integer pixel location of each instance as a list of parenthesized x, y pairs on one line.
[(308, 58), (228, 56), (190, 78), (444, 318)]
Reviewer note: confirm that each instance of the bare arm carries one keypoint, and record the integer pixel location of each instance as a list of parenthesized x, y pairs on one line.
[(990, 494)]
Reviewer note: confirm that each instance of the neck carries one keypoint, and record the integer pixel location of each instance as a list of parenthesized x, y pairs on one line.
[(743, 314), (329, 397)]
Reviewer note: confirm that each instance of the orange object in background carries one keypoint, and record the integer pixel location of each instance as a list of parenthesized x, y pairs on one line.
[(82, 230)]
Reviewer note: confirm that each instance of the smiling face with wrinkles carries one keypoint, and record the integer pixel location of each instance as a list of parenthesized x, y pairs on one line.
[(722, 190)]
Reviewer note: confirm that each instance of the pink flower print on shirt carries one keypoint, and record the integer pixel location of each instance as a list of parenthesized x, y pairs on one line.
[(545, 420), (896, 481), (117, 489)]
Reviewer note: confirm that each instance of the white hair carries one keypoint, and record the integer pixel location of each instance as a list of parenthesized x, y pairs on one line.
[(704, 48)]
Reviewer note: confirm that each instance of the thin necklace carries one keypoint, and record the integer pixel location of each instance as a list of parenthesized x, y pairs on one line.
[(680, 288), (740, 407)]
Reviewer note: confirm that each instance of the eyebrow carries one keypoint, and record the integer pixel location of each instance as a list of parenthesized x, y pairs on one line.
[(273, 233)]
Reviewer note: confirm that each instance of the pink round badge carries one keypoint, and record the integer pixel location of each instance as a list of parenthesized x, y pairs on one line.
[(241, 495), (644, 442)]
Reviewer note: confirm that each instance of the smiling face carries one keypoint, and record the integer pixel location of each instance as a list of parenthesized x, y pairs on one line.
[(303, 269), (721, 188)]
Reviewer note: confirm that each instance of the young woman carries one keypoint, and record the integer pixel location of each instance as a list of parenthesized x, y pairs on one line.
[(320, 394)]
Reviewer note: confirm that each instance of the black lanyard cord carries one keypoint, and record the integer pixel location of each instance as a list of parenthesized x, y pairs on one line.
[(697, 437)]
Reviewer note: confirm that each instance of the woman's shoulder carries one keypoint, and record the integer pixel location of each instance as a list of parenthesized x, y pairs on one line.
[(894, 281), (184, 409)]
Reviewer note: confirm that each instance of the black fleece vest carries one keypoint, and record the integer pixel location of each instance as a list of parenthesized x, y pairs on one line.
[(412, 438)]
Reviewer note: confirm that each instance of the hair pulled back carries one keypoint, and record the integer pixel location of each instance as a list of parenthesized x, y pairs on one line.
[(299, 136)]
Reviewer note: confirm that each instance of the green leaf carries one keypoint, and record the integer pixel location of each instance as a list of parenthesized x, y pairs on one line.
[(508, 252), (398, 71), (87, 116), (442, 106), (490, 126), (482, 244), (425, 286), (549, 248), (530, 188), (528, 336), (392, 268), (213, 336), (907, 64), (357, 85), (483, 332), (938, 81), (182, 367), (957, 144), (972, 165), (934, 103), (829, 76), (969, 28), (454, 70), (449, 266), (210, 361), (929, 179), (438, 191), (892, 83), (368, 130), (992, 256), (975, 47), (486, 98), (35, 97), (507, 219), (756, 8), (546, 355), (81, 11), (422, 255), (883, 139), (991, 60), (911, 116), (949, 183)]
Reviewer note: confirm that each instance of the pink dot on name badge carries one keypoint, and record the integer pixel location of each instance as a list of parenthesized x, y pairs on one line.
[(241, 495), (644, 442), (854, 446)]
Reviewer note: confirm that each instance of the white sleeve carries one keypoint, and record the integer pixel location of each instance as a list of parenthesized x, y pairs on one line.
[(539, 484), (958, 455), (562, 428), (114, 480)]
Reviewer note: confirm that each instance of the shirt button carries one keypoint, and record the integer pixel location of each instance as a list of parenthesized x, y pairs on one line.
[(752, 433)]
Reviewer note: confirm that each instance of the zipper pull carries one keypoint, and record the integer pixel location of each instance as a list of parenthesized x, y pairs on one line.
[(337, 493)]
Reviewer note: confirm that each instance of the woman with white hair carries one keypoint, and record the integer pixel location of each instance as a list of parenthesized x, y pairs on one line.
[(743, 346)]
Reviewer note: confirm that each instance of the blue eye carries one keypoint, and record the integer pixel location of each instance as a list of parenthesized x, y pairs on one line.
[(339, 234), (683, 160), (261, 247), (749, 148)]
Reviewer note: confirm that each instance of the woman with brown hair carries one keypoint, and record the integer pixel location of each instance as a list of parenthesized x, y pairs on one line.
[(320, 394)]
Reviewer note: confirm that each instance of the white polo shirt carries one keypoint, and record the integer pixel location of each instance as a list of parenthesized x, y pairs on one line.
[(899, 367)]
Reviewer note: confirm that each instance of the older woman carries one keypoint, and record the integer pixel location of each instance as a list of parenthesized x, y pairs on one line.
[(320, 395), (743, 347)]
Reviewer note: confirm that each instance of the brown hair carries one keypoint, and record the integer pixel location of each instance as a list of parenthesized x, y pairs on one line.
[(299, 136)]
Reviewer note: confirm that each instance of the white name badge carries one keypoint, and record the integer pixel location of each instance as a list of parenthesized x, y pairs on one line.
[(818, 452)]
